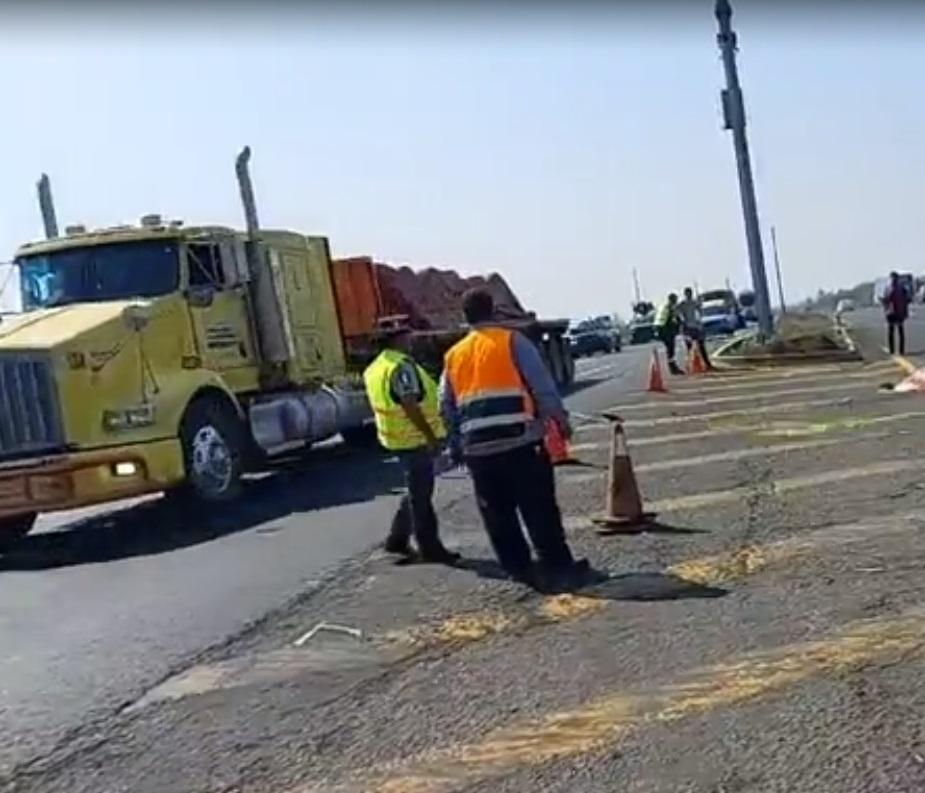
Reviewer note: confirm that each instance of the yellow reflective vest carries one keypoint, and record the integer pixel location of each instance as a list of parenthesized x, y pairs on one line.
[(394, 428), (664, 315)]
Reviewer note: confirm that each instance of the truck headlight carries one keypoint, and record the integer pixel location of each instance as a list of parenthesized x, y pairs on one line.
[(129, 418)]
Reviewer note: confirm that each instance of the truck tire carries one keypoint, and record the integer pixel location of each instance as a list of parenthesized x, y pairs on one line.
[(13, 529), (214, 443)]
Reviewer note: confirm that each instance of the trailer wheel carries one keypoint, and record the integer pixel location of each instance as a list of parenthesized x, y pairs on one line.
[(14, 528), (214, 447)]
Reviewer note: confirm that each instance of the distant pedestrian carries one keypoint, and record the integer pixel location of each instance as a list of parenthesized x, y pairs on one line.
[(667, 326), (406, 408), (896, 299), (692, 325), (496, 394)]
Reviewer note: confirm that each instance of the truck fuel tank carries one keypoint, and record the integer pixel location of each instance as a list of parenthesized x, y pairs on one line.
[(284, 422)]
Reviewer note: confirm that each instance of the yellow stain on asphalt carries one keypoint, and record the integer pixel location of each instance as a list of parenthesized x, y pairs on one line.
[(478, 625), (734, 495), (747, 454), (797, 429), (735, 415), (721, 400), (560, 608), (771, 429), (734, 565), (907, 366), (607, 720)]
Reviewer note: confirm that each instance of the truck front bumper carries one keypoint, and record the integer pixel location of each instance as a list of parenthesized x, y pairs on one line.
[(81, 479)]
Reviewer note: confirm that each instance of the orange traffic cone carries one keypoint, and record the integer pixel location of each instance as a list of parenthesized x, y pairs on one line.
[(624, 511), (656, 380), (557, 446), (695, 362)]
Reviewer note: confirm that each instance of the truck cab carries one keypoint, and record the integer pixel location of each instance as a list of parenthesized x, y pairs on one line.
[(159, 357)]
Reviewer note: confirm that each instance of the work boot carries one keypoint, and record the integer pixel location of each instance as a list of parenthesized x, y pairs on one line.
[(440, 555), (565, 578), (674, 368), (399, 546)]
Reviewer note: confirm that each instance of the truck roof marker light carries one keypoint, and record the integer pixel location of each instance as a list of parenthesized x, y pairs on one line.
[(77, 228), (151, 221)]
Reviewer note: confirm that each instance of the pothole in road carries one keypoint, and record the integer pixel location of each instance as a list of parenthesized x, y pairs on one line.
[(344, 655)]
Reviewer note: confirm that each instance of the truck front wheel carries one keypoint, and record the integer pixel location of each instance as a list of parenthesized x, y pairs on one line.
[(213, 441), (13, 529)]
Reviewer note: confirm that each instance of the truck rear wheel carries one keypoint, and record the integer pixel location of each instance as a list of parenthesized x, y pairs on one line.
[(213, 441), (13, 529)]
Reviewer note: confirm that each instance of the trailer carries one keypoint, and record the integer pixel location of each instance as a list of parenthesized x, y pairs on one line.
[(367, 291)]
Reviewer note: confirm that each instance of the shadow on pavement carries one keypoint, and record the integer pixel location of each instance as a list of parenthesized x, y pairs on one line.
[(321, 481), (580, 385), (649, 586), (604, 585)]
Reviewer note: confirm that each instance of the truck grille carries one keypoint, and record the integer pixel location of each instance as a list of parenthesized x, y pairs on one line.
[(30, 419)]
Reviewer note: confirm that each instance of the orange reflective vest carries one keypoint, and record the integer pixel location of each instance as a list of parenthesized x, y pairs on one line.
[(492, 401)]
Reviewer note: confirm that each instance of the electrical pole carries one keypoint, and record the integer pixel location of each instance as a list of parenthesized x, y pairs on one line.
[(734, 120), (636, 288), (780, 283)]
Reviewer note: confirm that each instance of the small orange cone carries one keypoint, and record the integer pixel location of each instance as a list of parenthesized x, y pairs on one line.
[(557, 446), (656, 380), (695, 362), (624, 511)]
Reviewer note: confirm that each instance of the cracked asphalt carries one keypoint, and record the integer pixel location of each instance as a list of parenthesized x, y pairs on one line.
[(768, 634)]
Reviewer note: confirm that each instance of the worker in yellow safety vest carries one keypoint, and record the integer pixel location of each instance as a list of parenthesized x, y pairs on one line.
[(667, 327), (408, 423), (495, 395)]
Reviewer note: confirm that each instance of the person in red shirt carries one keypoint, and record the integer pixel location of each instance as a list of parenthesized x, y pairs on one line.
[(896, 300)]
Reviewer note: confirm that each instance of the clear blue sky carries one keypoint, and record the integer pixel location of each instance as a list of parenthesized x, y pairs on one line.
[(560, 152)]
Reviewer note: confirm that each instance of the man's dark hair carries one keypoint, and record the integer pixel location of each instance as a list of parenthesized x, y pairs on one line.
[(478, 306)]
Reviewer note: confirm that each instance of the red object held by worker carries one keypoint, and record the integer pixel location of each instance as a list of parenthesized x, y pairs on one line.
[(556, 444)]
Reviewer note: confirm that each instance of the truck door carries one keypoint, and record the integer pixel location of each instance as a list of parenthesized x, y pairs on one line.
[(218, 312)]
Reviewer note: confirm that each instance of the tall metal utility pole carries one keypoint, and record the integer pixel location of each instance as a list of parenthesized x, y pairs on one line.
[(636, 290), (734, 120), (780, 282)]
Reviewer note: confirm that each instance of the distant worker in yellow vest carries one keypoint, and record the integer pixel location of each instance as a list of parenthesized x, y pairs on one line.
[(405, 405), (495, 394), (667, 327)]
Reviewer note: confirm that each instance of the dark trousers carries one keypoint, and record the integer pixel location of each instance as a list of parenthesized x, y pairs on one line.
[(668, 335), (694, 336), (514, 485), (896, 327), (415, 515)]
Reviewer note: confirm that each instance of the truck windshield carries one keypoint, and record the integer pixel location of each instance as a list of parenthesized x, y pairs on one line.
[(117, 271)]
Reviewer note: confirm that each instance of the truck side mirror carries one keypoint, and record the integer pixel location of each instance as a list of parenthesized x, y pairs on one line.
[(199, 296)]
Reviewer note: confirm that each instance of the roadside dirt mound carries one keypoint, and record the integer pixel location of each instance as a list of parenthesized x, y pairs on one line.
[(798, 333)]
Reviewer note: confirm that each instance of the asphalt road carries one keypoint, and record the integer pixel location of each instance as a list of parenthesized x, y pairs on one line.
[(767, 635), (92, 613), (868, 328)]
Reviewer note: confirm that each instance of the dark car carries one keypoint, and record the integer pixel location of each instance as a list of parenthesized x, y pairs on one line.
[(592, 336)]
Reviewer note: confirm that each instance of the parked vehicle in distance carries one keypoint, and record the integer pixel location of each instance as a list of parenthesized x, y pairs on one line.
[(642, 326), (592, 336), (746, 301), (719, 318)]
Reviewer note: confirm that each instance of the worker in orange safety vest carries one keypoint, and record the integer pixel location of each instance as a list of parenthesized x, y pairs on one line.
[(495, 395)]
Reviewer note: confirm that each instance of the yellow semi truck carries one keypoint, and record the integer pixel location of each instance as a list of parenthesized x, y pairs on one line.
[(157, 357)]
